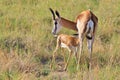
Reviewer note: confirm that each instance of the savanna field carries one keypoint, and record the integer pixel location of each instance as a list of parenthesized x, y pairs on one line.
[(27, 45)]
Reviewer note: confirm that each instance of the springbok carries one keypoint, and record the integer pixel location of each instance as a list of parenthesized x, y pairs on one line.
[(60, 22), (69, 42), (86, 24)]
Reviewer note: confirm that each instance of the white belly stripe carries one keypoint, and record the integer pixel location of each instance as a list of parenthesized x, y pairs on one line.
[(63, 45)]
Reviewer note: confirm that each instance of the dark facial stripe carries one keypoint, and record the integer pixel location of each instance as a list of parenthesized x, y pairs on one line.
[(55, 26)]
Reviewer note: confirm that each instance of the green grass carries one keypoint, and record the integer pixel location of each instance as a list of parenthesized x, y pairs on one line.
[(26, 42)]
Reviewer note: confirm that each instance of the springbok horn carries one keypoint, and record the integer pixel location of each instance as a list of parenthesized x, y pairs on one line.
[(57, 13), (52, 13)]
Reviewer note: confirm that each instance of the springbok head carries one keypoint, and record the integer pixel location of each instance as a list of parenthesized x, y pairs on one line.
[(56, 22)]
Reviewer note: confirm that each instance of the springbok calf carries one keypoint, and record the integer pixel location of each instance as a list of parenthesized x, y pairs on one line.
[(86, 24), (69, 42)]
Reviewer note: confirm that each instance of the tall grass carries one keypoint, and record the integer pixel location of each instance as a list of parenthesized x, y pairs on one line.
[(26, 42)]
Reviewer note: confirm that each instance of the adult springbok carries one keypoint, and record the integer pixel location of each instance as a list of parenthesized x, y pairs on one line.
[(69, 42), (86, 24)]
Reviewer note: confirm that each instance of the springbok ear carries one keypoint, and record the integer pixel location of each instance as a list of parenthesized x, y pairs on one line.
[(57, 13), (52, 13)]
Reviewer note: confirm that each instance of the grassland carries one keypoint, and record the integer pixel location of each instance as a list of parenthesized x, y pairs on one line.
[(26, 42)]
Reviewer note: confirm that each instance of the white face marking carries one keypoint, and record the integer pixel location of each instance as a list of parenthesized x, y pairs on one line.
[(57, 27)]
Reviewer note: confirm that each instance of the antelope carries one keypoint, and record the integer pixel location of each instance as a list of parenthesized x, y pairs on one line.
[(60, 22), (86, 25), (69, 42)]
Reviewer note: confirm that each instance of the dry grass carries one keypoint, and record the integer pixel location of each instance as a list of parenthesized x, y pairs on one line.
[(26, 42)]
